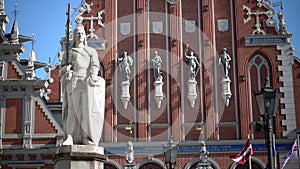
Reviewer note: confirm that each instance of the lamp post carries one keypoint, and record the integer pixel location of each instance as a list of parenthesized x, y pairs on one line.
[(170, 153), (267, 100)]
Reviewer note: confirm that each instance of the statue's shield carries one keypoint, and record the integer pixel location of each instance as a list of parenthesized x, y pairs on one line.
[(96, 109)]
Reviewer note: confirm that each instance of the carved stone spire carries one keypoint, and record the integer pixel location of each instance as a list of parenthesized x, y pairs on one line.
[(15, 29), (3, 17), (32, 57), (30, 72), (2, 11)]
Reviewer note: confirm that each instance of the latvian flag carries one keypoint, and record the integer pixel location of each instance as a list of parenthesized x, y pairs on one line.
[(292, 154), (243, 156)]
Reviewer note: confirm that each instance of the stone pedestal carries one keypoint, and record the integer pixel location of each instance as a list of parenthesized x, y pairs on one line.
[(125, 96), (226, 93), (158, 92), (79, 157), (192, 91)]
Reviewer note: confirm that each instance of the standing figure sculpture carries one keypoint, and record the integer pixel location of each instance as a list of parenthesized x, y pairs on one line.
[(83, 91), (157, 66), (193, 62), (125, 63), (224, 60), (129, 153)]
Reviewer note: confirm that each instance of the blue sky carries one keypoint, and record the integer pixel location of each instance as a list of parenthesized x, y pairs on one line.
[(46, 19)]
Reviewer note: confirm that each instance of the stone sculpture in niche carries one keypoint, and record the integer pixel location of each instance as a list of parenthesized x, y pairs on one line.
[(126, 62), (157, 67), (193, 63), (158, 83), (224, 60), (192, 83)]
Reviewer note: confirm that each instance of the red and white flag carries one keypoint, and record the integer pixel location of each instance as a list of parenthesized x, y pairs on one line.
[(292, 154), (243, 156)]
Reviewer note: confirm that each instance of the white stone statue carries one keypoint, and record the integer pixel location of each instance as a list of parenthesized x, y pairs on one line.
[(83, 93), (125, 63), (129, 152), (224, 60), (193, 63), (157, 66)]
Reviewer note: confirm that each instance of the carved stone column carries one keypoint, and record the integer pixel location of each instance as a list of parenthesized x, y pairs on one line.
[(27, 121)]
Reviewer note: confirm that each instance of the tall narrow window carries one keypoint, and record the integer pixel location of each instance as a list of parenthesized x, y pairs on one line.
[(258, 70), (2, 64)]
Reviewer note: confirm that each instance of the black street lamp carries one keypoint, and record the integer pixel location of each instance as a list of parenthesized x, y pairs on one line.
[(170, 153), (267, 100)]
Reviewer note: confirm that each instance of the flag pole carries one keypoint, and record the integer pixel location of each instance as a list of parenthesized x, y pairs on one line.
[(298, 145), (275, 155), (250, 166), (68, 32)]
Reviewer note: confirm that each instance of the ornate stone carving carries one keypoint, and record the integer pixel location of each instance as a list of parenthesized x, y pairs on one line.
[(125, 62), (158, 83), (282, 25), (129, 152), (203, 157), (157, 66), (192, 83), (270, 22), (224, 61), (193, 63), (87, 8)]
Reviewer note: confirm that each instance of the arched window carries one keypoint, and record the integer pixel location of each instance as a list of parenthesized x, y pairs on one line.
[(111, 164), (151, 166), (194, 162), (258, 70), (150, 163)]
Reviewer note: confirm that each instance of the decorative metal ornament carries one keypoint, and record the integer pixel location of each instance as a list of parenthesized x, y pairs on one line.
[(270, 22), (173, 1)]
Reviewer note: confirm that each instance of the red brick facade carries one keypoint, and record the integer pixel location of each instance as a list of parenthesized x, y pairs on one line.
[(156, 25)]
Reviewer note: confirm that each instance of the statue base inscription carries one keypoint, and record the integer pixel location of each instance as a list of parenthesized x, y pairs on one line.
[(79, 156)]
